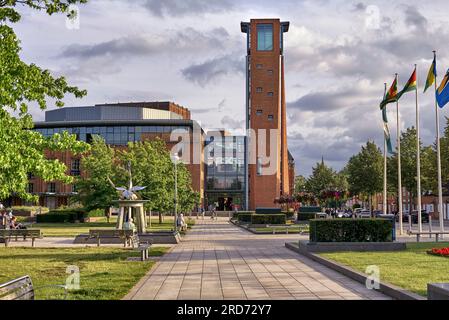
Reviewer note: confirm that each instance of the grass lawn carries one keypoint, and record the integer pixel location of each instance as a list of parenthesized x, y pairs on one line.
[(411, 269), (104, 272), (74, 229)]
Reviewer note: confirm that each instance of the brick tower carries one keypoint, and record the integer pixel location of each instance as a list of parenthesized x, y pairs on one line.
[(266, 109)]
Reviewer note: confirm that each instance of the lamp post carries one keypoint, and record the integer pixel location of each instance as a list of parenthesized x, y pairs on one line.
[(175, 159)]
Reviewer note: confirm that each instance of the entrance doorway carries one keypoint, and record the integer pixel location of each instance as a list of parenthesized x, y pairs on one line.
[(225, 204)]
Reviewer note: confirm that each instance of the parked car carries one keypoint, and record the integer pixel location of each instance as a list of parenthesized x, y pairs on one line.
[(364, 214), (405, 215), (378, 213), (343, 214)]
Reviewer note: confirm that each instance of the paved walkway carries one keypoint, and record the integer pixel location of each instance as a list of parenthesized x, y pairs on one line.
[(217, 260)]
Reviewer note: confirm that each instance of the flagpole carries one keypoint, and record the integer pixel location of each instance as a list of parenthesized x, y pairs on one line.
[(418, 157), (399, 164), (440, 187), (385, 167)]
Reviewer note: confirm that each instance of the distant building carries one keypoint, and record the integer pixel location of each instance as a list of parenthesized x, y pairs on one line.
[(221, 165)]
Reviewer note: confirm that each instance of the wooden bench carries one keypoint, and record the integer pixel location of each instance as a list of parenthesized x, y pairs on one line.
[(23, 289), (7, 234), (129, 237), (429, 233)]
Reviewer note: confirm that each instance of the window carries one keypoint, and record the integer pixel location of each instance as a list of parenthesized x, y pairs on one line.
[(259, 66), (75, 168), (270, 117), (74, 189), (30, 188), (259, 89), (259, 112), (51, 187), (270, 72), (270, 94), (264, 37)]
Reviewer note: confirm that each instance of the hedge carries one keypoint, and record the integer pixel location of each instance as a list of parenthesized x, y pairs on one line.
[(305, 216), (268, 219), (268, 210), (235, 214), (244, 217), (309, 209), (62, 216), (350, 230)]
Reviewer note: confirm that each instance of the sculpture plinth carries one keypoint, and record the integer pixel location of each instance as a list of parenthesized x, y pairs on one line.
[(132, 209)]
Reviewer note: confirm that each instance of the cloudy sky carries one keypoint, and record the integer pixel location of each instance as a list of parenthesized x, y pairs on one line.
[(338, 54)]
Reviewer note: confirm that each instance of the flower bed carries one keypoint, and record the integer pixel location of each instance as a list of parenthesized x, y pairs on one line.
[(444, 252)]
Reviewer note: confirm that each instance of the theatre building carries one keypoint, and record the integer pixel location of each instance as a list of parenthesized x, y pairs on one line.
[(227, 170)]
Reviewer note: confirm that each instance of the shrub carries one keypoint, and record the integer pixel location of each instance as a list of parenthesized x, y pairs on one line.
[(28, 210), (235, 214), (268, 210), (268, 219), (309, 209), (96, 213), (244, 217), (62, 216), (305, 216), (350, 230), (289, 214)]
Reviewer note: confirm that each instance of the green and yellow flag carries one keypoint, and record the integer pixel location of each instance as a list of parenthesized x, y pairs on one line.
[(391, 95), (431, 76), (410, 85)]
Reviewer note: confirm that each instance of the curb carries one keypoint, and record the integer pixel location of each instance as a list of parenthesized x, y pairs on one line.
[(386, 288)]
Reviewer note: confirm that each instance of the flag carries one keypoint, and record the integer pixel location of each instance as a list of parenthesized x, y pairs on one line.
[(409, 86), (432, 75), (391, 95), (442, 93), (387, 131)]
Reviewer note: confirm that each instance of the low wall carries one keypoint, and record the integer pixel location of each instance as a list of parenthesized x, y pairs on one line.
[(305, 245)]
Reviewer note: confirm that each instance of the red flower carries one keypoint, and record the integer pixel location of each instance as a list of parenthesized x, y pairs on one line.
[(440, 252)]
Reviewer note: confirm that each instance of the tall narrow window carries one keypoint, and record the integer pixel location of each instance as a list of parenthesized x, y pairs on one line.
[(259, 89), (264, 37), (259, 166)]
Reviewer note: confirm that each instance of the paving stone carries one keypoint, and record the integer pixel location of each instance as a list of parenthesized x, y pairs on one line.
[(217, 260)]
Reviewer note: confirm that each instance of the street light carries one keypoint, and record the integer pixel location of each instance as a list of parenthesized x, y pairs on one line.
[(175, 160)]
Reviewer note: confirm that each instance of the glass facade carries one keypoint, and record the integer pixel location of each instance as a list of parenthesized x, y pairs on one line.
[(264, 37), (225, 171), (115, 135)]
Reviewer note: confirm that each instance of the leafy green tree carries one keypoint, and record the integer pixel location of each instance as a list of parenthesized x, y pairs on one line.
[(321, 180), (365, 171), (444, 145), (94, 190), (408, 166), (22, 151)]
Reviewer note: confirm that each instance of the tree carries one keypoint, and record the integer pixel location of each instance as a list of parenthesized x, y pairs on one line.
[(94, 190), (365, 171), (22, 150), (151, 167), (321, 180), (409, 166)]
